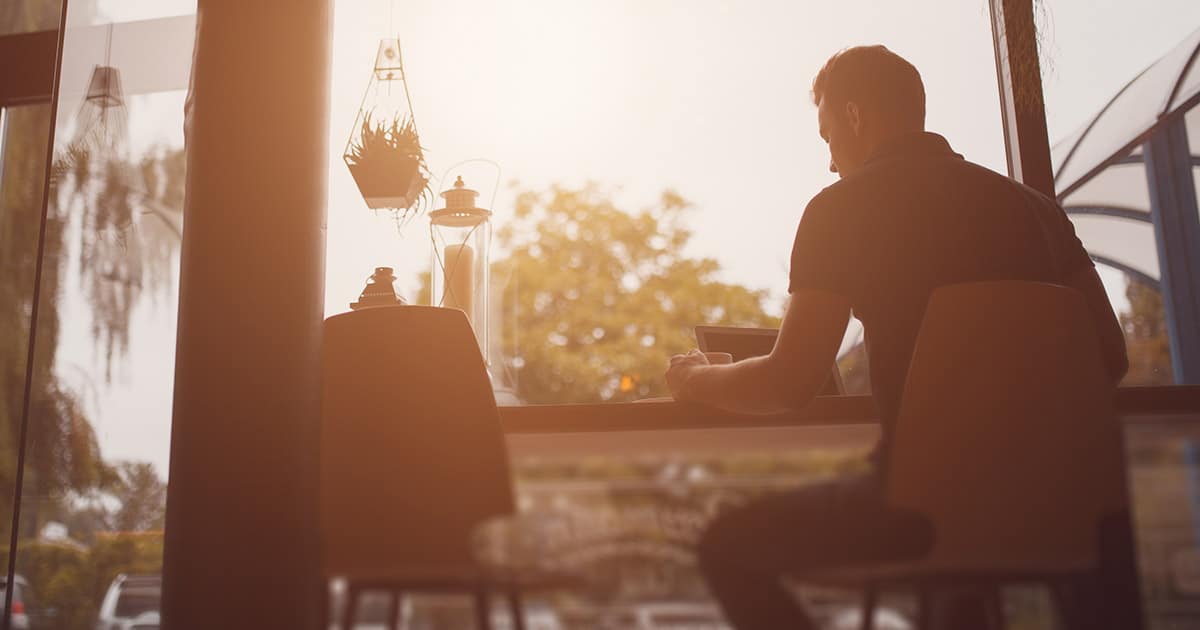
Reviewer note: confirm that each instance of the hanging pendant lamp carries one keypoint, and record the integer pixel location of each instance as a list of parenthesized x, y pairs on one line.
[(102, 125)]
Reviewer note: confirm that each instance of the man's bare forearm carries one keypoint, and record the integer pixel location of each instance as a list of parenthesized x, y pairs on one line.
[(753, 386)]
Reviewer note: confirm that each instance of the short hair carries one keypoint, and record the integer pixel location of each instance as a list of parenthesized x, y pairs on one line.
[(878, 80)]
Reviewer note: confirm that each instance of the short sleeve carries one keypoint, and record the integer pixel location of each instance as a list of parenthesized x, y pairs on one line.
[(824, 251)]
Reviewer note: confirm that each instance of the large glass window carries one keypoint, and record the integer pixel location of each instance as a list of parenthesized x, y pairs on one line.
[(654, 162), (1111, 87), (1119, 79), (96, 459), (23, 134)]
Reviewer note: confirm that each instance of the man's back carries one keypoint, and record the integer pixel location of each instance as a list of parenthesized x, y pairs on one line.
[(908, 216), (916, 217)]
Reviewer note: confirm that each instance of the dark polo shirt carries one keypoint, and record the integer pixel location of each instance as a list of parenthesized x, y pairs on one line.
[(915, 217)]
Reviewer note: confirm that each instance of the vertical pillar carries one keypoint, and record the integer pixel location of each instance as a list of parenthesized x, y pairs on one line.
[(241, 546), (1022, 104), (1176, 220)]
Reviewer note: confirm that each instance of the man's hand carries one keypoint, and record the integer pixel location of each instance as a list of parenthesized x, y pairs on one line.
[(682, 368), (785, 379)]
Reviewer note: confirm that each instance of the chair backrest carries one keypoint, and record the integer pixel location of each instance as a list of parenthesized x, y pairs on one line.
[(1006, 437), (412, 453)]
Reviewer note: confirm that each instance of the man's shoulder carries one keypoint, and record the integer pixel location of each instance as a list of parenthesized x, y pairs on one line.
[(833, 194)]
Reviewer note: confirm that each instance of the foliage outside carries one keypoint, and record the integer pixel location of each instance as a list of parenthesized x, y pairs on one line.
[(1146, 337), (69, 581), (603, 297)]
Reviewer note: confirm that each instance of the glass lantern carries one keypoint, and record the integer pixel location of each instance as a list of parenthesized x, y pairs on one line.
[(462, 234)]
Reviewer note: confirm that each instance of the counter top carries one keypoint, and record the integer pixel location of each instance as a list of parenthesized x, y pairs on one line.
[(1134, 403)]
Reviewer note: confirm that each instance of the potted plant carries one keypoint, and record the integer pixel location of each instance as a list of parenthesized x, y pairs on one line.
[(388, 165)]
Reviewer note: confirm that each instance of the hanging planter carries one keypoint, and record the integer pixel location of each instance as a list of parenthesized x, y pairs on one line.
[(384, 152), (388, 164)]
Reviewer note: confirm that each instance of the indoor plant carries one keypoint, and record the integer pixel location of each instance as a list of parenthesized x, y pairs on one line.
[(388, 165)]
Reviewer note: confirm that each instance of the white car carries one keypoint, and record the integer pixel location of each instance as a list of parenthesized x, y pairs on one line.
[(128, 601), (885, 619), (666, 616), (429, 611), (145, 621), (20, 602)]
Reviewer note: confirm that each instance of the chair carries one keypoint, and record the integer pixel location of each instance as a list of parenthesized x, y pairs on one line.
[(1006, 440), (412, 457)]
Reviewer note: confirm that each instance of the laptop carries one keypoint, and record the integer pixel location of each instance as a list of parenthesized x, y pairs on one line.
[(744, 343)]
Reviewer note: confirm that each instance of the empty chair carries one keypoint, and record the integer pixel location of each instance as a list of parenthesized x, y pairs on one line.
[(412, 455), (1006, 441)]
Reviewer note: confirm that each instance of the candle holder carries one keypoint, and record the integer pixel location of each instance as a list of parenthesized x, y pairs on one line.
[(461, 235), (380, 290)]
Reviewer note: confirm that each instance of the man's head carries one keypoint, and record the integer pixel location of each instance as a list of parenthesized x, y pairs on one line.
[(865, 96)]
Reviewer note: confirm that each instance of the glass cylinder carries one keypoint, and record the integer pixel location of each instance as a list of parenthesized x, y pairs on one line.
[(462, 236)]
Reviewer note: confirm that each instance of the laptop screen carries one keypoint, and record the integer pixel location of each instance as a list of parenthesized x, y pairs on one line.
[(744, 343)]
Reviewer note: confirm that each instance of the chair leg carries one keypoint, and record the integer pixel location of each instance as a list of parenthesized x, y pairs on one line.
[(870, 595), (393, 617), (953, 606), (1066, 611), (483, 618), (516, 608), (924, 602), (351, 606), (325, 611), (995, 606)]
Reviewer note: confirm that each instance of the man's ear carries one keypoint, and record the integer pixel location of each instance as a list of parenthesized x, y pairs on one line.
[(854, 118)]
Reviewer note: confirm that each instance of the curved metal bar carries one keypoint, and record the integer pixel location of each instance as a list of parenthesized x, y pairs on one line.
[(1124, 151), (1140, 159), (1120, 212), (1183, 74), (1092, 123)]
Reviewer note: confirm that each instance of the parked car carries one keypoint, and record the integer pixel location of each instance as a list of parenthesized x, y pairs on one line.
[(665, 616), (885, 619), (145, 621), (429, 611), (128, 599), (22, 602)]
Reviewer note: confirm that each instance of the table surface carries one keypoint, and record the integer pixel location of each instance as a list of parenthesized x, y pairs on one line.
[(1133, 403)]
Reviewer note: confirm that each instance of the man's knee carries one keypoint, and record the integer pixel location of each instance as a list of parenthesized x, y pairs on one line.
[(724, 540), (719, 541)]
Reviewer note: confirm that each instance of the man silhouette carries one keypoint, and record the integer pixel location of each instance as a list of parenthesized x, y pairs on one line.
[(907, 215)]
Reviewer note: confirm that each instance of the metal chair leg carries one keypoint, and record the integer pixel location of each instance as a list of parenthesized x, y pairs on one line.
[(924, 602), (1065, 596), (870, 595), (516, 608), (995, 606), (351, 605), (325, 611), (393, 617), (483, 617)]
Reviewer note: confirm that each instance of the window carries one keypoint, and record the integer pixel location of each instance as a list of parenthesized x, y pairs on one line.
[(96, 453), (598, 276)]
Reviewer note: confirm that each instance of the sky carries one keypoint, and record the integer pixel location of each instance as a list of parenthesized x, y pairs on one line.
[(704, 97)]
